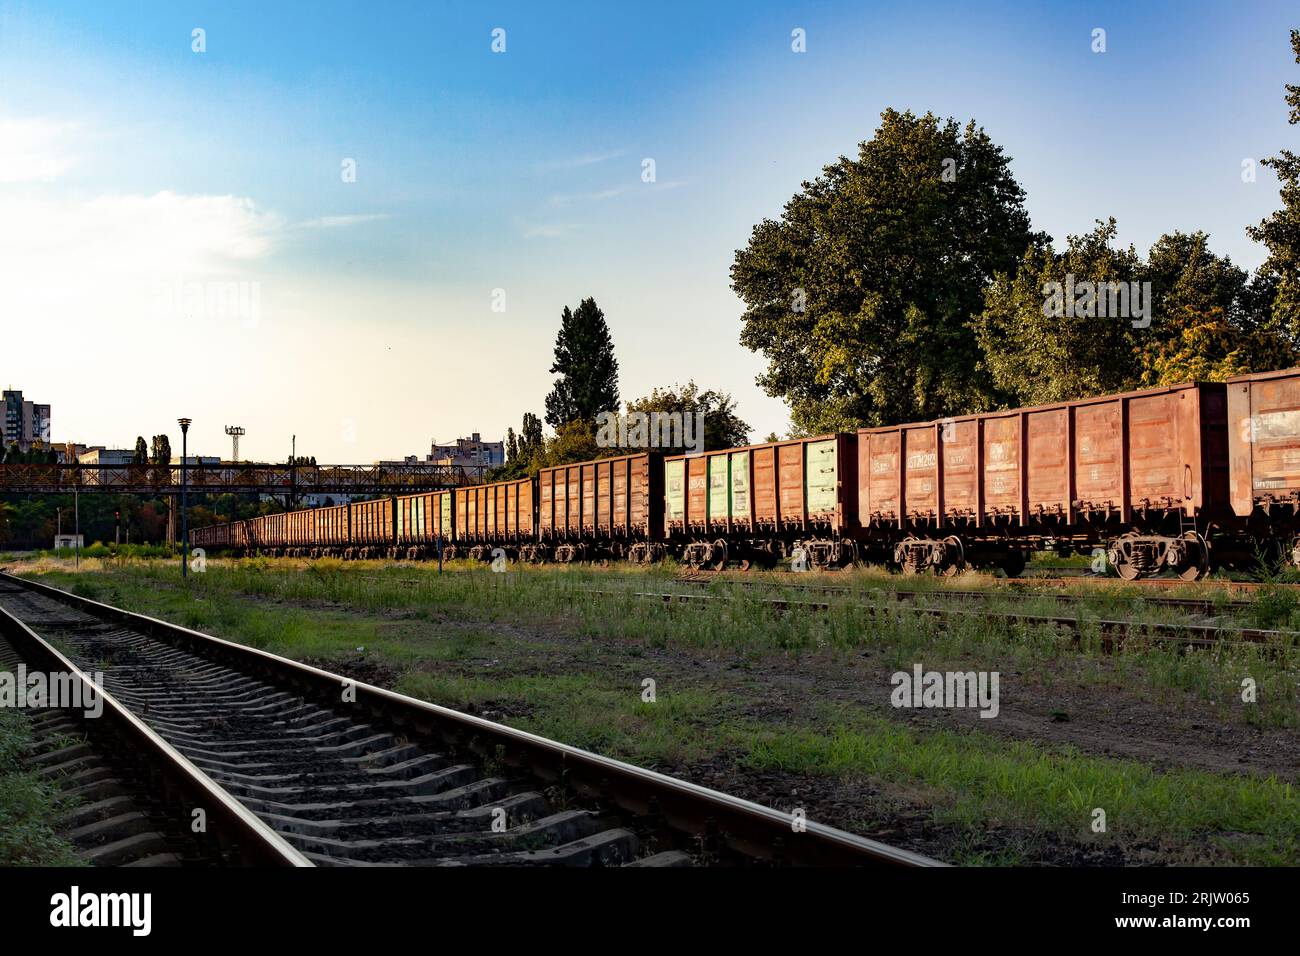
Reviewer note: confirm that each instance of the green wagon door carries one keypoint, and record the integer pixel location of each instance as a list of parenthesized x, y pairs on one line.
[(675, 490), (740, 485), (719, 481), (821, 477), (446, 514)]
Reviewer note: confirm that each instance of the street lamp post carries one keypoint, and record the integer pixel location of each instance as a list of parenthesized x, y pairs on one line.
[(185, 523)]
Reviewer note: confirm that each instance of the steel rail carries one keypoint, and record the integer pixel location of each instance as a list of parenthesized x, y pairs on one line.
[(1113, 633), (747, 828), (239, 834), (1191, 605)]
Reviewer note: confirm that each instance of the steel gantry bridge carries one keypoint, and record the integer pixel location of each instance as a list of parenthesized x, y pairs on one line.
[(236, 478)]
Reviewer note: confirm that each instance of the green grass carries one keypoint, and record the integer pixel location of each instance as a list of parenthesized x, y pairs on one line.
[(27, 804), (473, 639), (977, 780)]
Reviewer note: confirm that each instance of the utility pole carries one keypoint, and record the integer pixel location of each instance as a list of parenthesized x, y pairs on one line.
[(185, 524)]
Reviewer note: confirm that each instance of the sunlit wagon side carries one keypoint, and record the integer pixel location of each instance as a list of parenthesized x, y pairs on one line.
[(607, 508), (1142, 471), (759, 502), (499, 514)]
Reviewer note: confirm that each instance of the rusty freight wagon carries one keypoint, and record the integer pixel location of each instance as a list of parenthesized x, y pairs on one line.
[(500, 514), (330, 531), (760, 502), (608, 508), (424, 524), (1264, 457), (373, 531), (1143, 472)]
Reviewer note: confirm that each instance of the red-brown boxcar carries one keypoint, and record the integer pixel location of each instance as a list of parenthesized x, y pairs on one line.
[(1264, 457), (1143, 470), (373, 531), (424, 523), (608, 508), (760, 501), (500, 514)]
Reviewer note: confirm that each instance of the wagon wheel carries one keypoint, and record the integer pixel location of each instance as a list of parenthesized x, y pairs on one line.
[(720, 548), (956, 566), (1200, 565), (745, 564)]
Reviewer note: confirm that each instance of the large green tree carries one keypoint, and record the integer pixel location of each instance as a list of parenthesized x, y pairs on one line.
[(1035, 355), (1206, 323), (723, 428), (1278, 279), (860, 296), (584, 360)]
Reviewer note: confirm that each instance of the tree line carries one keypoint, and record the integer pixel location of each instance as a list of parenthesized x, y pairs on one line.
[(906, 284), (587, 387)]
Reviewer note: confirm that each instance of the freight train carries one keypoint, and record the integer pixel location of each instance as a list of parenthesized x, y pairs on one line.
[(1177, 479)]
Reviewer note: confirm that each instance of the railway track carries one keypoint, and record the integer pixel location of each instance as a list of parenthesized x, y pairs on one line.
[(351, 774), (129, 799), (1199, 606), (1113, 634)]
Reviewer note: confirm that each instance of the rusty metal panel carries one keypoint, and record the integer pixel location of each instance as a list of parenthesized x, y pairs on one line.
[(921, 488), (1048, 463), (603, 478), (697, 493), (1002, 464), (960, 463), (587, 483), (1156, 454), (1098, 455), (882, 474), (1270, 432), (527, 526), (789, 465), (766, 510), (573, 500), (621, 475), (546, 503)]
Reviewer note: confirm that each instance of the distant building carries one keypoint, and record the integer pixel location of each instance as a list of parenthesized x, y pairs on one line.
[(24, 422), (472, 451), (112, 464)]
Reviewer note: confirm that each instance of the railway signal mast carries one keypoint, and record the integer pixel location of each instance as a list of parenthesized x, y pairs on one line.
[(234, 431)]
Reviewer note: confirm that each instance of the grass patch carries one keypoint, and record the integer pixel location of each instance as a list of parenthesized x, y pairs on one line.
[(27, 804), (977, 781)]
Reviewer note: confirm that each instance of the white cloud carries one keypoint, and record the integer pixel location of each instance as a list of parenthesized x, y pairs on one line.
[(33, 150), (64, 262)]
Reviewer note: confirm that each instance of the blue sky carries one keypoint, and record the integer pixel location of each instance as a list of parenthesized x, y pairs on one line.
[(132, 168)]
